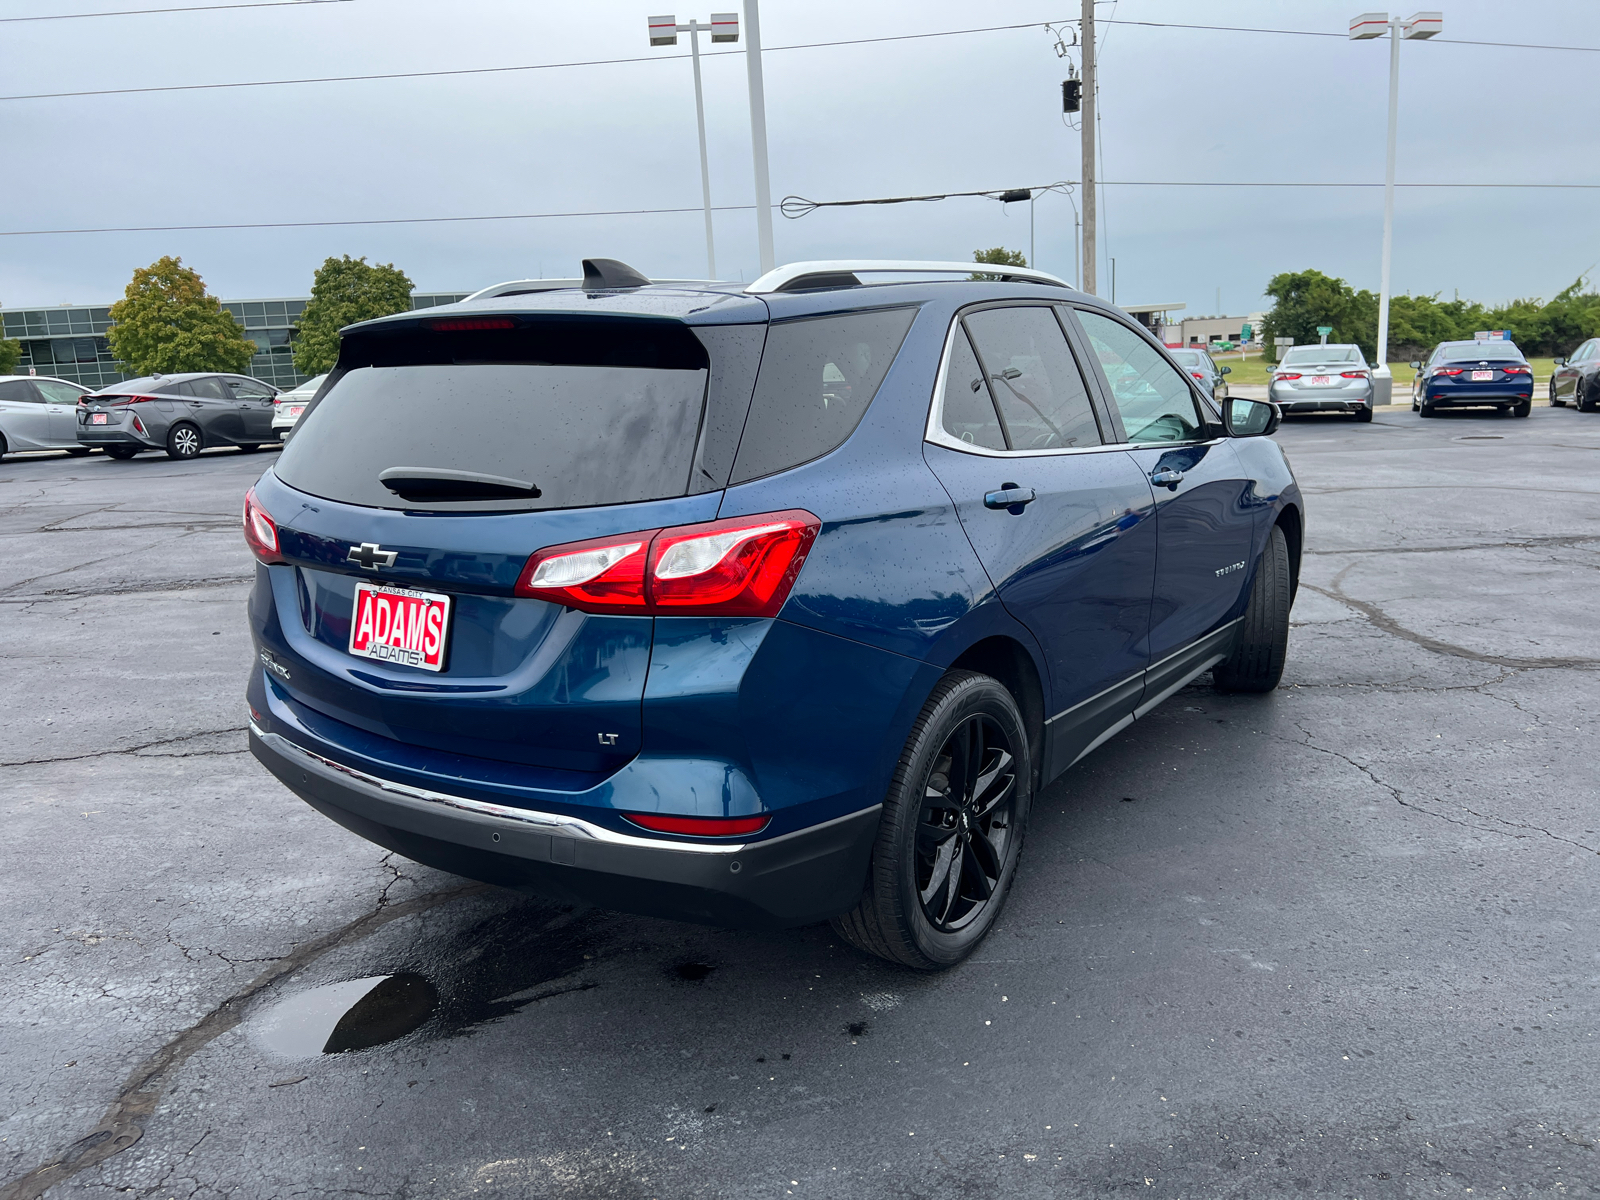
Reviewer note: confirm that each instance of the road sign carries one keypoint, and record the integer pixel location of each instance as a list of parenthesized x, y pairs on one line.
[(1244, 332), (1324, 330)]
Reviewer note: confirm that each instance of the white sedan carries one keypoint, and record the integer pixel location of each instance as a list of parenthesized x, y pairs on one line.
[(39, 413), (287, 408)]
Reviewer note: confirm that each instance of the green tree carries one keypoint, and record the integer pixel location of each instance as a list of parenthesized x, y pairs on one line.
[(1001, 257), (167, 322), (10, 355), (344, 291), (1305, 299)]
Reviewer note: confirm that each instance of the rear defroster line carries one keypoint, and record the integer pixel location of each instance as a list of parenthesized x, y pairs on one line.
[(120, 1127)]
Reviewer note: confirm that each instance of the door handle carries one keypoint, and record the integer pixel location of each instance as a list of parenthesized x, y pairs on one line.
[(1167, 477), (1010, 497)]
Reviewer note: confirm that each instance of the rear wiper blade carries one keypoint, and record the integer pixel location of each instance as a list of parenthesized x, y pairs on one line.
[(442, 483)]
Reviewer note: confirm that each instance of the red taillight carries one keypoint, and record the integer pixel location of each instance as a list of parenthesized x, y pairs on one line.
[(464, 324), (1198, 375), (125, 401), (1517, 370), (1447, 370), (1287, 375), (260, 531), (602, 575), (699, 826), (739, 567), (138, 425), (1352, 374)]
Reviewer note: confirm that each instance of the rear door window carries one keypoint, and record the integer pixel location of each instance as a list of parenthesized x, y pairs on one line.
[(968, 409), (248, 389), (818, 374), (20, 389), (1154, 400), (1044, 404), (207, 387), (590, 412)]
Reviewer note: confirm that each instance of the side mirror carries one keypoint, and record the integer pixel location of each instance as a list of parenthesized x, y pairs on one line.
[(1561, 362), (1415, 365), (1250, 418), (1225, 371)]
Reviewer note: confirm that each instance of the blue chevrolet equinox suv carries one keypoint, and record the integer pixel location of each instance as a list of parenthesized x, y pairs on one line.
[(754, 606)]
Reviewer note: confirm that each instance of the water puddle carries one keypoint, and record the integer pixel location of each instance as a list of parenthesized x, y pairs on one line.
[(352, 1015)]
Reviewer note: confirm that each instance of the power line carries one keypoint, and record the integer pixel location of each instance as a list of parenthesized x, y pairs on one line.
[(143, 12), (593, 62), (810, 205), (605, 62)]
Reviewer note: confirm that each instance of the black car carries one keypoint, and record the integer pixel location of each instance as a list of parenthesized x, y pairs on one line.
[(181, 414), (1477, 373), (1577, 378)]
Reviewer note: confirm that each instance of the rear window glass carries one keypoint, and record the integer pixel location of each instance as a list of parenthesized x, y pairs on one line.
[(1188, 358), (1323, 354), (145, 383), (590, 413), (818, 375), (1481, 351)]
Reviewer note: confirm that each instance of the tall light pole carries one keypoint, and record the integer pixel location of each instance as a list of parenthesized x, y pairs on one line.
[(1370, 25), (724, 27), (1089, 81), (758, 133)]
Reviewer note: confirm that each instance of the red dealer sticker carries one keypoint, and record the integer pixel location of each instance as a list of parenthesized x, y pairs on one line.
[(398, 625)]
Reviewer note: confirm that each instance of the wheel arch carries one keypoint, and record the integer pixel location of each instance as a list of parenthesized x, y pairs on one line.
[(1290, 521), (1008, 660)]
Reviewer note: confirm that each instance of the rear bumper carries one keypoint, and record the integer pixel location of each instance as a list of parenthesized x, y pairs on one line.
[(1334, 400), (796, 879), (1500, 396), (99, 435)]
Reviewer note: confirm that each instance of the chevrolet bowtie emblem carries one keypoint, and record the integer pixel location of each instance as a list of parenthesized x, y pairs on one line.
[(370, 556)]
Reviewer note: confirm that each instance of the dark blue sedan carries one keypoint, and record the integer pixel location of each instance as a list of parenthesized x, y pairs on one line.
[(1473, 374), (758, 605)]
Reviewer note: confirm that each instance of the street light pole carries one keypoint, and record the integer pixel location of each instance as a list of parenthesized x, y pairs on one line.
[(724, 27), (758, 133), (1089, 82), (1364, 27)]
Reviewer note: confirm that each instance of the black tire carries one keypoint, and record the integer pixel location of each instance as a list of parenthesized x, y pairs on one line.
[(122, 452), (1425, 410), (77, 451), (952, 808), (1555, 400), (184, 441), (3, 446), (249, 447), (1364, 413), (1256, 663), (1582, 398), (1523, 409)]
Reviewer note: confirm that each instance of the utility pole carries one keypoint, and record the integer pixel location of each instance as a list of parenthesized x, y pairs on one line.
[(758, 132), (1089, 79)]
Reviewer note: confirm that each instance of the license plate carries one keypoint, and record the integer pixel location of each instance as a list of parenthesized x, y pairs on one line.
[(97, 418), (1320, 380), (1479, 376), (297, 410), (399, 625)]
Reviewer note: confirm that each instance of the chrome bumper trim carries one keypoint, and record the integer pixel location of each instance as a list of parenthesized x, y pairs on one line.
[(556, 824)]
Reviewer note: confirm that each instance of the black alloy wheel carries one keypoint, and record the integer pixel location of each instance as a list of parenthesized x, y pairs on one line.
[(952, 828), (964, 827), (1555, 400), (183, 441)]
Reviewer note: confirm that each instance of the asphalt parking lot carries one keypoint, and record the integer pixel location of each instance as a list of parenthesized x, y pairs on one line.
[(1335, 941)]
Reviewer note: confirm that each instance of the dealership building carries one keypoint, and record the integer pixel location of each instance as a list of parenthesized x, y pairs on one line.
[(69, 342)]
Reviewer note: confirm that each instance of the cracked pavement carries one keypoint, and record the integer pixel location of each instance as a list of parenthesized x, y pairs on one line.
[(1335, 941)]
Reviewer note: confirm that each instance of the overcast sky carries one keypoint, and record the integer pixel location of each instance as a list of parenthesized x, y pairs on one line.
[(979, 110)]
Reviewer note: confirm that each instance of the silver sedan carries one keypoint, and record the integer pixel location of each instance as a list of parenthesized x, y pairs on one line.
[(1323, 379)]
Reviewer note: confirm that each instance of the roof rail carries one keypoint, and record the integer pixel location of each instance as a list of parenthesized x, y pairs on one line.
[(522, 287), (843, 272)]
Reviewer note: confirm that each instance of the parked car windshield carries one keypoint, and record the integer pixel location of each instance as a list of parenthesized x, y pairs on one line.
[(1322, 354), (542, 406), (1481, 352)]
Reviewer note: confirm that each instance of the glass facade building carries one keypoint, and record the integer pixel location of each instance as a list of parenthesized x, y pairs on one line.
[(69, 342)]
